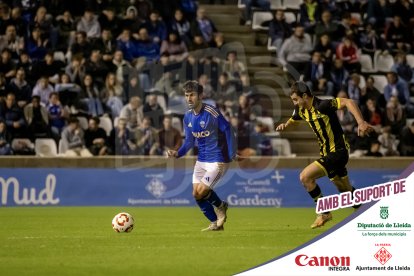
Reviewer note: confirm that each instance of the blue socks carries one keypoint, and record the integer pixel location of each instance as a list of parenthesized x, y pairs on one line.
[(213, 198), (207, 209)]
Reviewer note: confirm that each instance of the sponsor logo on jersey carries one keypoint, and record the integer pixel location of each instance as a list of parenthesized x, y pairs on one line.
[(201, 134), (202, 124), (190, 125)]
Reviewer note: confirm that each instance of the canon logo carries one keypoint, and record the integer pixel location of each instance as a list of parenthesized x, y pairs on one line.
[(304, 260), (201, 134)]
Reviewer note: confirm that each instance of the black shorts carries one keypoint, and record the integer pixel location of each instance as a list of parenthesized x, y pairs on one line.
[(334, 163)]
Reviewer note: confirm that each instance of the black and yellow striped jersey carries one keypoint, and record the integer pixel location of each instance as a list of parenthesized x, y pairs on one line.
[(324, 122)]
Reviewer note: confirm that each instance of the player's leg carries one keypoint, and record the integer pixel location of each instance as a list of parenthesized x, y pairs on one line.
[(308, 178), (215, 171), (342, 183), (200, 191)]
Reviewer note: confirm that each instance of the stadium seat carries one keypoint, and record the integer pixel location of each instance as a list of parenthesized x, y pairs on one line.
[(258, 18), (380, 82), (290, 17), (282, 146), (177, 105), (409, 122), (61, 147), (383, 63), (241, 4), (176, 123), (270, 47), (267, 121), (83, 122), (45, 147), (410, 60), (366, 64), (106, 124), (362, 82), (292, 4), (276, 4), (59, 56)]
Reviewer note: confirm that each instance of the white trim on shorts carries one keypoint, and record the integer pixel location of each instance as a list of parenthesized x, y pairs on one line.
[(209, 173)]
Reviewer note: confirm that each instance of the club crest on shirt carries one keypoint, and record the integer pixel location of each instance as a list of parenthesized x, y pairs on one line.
[(202, 124)]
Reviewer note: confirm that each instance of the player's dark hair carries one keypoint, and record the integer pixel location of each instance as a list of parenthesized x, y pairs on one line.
[(192, 86), (300, 88)]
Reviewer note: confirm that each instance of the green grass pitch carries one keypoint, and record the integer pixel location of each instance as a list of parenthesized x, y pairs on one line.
[(165, 241)]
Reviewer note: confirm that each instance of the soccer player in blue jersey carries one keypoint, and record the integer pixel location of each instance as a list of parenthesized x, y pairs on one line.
[(216, 149)]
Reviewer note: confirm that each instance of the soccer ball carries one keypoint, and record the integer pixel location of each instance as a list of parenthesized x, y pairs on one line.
[(123, 222)]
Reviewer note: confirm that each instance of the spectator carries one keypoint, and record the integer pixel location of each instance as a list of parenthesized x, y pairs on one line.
[(395, 115), (132, 21), (370, 92), (371, 42), (12, 41), (123, 68), (181, 26), (208, 92), (396, 33), (106, 45), (250, 4), (373, 114), (189, 8), (327, 26), (147, 138), (243, 136), (407, 140), (37, 119), (156, 28), (89, 97), (144, 8), (279, 29), (5, 140), (219, 41), (261, 142), (44, 22), (112, 95), (21, 88), (97, 68), (233, 66), (48, 67), (76, 70), (325, 47), (109, 21), (68, 91), (122, 143), (133, 113), (18, 22), (377, 13), (66, 31), (398, 88), (347, 51), (296, 50), (57, 114), (128, 45), (203, 26), (89, 24), (81, 46), (388, 142), (403, 70), (13, 116), (226, 89), (146, 47), (36, 46), (73, 143), (174, 47), (169, 138), (153, 111), (353, 90), (7, 66), (310, 13), (26, 63), (245, 111), (317, 75), (198, 43), (95, 138), (3, 86), (43, 89)]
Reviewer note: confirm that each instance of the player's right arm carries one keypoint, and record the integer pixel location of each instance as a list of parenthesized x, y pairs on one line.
[(186, 146)]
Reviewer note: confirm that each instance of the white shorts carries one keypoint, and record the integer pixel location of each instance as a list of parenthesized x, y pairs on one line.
[(209, 173)]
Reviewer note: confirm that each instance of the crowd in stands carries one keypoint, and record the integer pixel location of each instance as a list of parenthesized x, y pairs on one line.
[(329, 45), (69, 67), (103, 76)]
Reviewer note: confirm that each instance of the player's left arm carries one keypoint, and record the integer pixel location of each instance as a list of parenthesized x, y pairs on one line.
[(225, 127), (363, 126)]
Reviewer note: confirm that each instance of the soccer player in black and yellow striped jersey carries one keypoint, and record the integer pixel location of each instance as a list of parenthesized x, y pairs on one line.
[(321, 117)]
